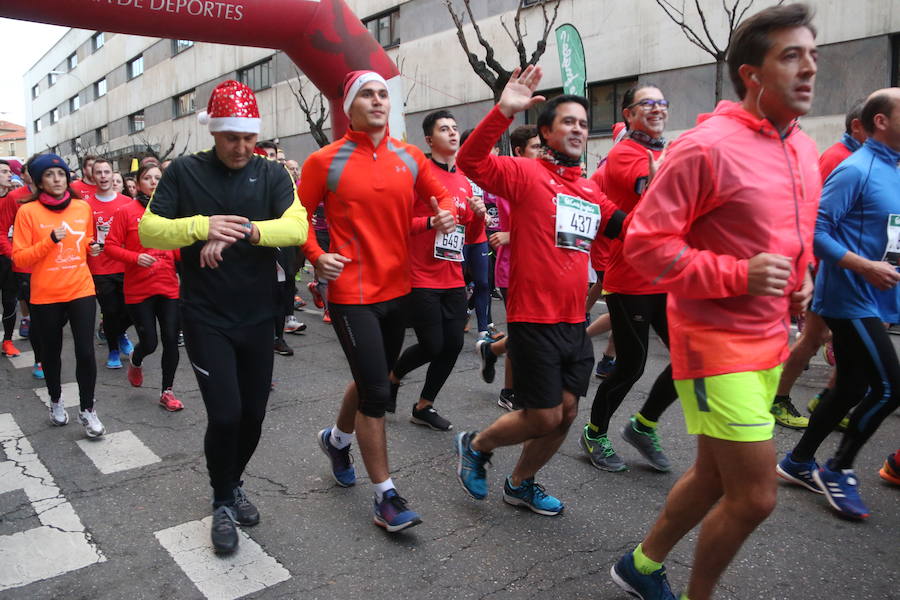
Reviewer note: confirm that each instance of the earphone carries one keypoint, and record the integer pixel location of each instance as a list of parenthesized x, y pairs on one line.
[(754, 77)]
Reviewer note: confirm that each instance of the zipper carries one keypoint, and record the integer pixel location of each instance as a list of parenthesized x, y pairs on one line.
[(796, 212)]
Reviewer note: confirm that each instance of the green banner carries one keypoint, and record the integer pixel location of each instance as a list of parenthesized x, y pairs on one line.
[(571, 60)]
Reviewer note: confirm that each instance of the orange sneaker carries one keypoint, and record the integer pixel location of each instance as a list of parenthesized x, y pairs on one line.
[(135, 375), (890, 472), (9, 349), (316, 295), (168, 401), (326, 318)]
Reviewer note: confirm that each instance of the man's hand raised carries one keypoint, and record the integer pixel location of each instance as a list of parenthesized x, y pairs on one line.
[(517, 95)]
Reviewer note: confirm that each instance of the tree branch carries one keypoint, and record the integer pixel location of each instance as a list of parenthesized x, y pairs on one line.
[(677, 17), (316, 125), (477, 64), (709, 36), (541, 46)]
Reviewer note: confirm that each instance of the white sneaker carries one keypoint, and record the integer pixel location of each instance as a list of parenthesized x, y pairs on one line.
[(92, 425), (58, 414), (292, 325)]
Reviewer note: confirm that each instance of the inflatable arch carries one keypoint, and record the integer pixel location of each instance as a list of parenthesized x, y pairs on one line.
[(323, 37)]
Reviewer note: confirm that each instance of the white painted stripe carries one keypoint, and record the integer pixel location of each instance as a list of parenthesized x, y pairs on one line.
[(69, 395), (246, 571), (60, 544), (118, 451), (23, 360)]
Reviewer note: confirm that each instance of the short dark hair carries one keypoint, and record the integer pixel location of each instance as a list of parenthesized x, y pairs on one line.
[(101, 160), (431, 120), (881, 103), (4, 162), (519, 137), (548, 112), (750, 41), (267, 146), (628, 96), (87, 158), (855, 112), (465, 135)]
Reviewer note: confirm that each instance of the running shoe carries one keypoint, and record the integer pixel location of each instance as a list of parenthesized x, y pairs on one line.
[(292, 325), (654, 586), (245, 513), (92, 426), (169, 402), (135, 374), (814, 403), (487, 336), (488, 360), (317, 298), (533, 496), (37, 371), (430, 418), (605, 366), (494, 333), (9, 349), (223, 531), (113, 361), (25, 327), (282, 348), (58, 414), (393, 514), (647, 443), (470, 466), (299, 302), (326, 318), (341, 462), (180, 338), (842, 491), (507, 400), (890, 471), (800, 473), (787, 415), (600, 452), (125, 345)]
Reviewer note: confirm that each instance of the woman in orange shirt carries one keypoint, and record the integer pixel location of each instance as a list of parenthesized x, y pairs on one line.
[(53, 234)]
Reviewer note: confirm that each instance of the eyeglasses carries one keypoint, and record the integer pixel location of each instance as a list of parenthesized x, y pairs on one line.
[(651, 104)]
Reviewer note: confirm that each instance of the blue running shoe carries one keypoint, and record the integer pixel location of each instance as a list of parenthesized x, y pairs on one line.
[(470, 468), (341, 463), (800, 473), (125, 345), (654, 586), (393, 514), (533, 496), (113, 361), (37, 371), (604, 367), (841, 489)]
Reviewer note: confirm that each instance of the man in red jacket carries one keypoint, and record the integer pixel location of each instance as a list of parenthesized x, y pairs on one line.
[(726, 229)]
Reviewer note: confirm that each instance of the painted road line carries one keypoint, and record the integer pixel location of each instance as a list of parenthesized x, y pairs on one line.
[(69, 395), (246, 571), (60, 544), (118, 451), (23, 361)]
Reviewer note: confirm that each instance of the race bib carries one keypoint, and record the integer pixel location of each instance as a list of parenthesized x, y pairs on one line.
[(577, 222), (449, 246), (892, 250), (102, 231)]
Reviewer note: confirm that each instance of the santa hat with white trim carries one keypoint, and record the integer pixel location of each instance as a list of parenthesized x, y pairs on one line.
[(354, 81), (232, 107)]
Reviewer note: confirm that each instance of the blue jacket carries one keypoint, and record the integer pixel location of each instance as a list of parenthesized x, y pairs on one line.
[(856, 202)]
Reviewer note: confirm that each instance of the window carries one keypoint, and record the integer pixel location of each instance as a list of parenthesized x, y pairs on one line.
[(54, 116), (102, 134), (135, 66), (97, 41), (100, 88), (258, 76), (37, 125), (136, 122), (183, 104), (12, 148), (74, 103), (35, 91), (383, 28), (52, 78), (72, 61), (606, 103), (179, 46)]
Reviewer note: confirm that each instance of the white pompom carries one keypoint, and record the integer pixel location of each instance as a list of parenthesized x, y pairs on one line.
[(203, 117)]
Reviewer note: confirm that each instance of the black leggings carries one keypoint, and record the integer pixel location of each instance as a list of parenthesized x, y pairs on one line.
[(234, 371), (111, 298), (866, 361), (439, 318), (371, 336), (24, 282), (631, 318), (9, 291), (145, 314), (47, 322)]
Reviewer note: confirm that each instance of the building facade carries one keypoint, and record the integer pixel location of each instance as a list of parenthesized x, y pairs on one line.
[(98, 92), (12, 140)]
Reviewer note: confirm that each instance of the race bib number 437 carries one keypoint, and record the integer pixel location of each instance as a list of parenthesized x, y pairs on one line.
[(577, 222)]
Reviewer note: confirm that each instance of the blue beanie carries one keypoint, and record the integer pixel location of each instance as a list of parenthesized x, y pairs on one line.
[(45, 161)]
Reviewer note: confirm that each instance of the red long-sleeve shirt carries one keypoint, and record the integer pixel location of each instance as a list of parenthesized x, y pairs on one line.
[(104, 217)]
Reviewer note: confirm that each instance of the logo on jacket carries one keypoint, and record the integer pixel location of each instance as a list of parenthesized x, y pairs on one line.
[(67, 254), (400, 168)]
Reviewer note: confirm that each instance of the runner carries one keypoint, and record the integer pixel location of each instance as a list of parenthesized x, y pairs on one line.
[(858, 242), (61, 285), (726, 229), (890, 471), (227, 285), (9, 287), (369, 182), (86, 184), (150, 287), (551, 354)]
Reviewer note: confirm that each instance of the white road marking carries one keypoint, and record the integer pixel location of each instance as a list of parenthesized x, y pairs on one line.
[(69, 395), (246, 571), (60, 544), (24, 360), (118, 451)]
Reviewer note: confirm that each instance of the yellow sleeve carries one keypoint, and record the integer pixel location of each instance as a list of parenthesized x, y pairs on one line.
[(168, 234), (290, 229)]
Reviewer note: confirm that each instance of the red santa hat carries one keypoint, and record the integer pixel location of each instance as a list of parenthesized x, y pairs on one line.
[(354, 81), (232, 107)]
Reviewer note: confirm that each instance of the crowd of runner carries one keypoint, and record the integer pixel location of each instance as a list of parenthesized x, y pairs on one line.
[(716, 241)]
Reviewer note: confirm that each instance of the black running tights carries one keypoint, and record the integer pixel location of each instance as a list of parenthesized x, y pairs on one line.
[(9, 292), (145, 315), (111, 298)]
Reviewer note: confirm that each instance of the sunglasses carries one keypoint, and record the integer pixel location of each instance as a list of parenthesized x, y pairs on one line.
[(651, 104)]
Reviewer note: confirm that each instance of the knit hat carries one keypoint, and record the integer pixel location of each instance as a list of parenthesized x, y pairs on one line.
[(232, 107), (354, 81), (45, 161)]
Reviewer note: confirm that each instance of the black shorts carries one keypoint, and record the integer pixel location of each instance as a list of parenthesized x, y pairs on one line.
[(547, 359), (24, 286), (426, 303), (600, 275)]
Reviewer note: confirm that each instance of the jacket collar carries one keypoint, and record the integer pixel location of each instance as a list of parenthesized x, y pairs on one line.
[(884, 152), (361, 138), (850, 142), (570, 173), (736, 112)]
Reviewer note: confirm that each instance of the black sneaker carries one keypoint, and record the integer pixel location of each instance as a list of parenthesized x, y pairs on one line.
[(223, 531), (488, 360), (245, 513), (392, 403), (430, 418), (507, 400), (282, 348)]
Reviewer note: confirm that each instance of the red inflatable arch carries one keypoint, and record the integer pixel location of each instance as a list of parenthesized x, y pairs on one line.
[(323, 37)]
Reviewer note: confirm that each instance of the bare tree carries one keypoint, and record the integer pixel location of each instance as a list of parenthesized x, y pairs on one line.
[(154, 149), (700, 35), (316, 112)]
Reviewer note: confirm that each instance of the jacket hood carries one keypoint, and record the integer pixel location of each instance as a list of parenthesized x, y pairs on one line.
[(736, 112)]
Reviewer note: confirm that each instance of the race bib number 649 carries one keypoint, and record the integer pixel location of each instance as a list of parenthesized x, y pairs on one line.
[(577, 222)]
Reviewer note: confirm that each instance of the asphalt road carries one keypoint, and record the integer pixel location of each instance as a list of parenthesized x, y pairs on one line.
[(317, 540)]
